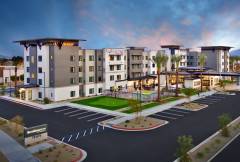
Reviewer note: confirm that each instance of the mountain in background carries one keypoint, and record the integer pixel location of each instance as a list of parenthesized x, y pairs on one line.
[(235, 52)]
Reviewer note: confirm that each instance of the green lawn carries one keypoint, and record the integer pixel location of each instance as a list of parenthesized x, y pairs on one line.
[(105, 102)]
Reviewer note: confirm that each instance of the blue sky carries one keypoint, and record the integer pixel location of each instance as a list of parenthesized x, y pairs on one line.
[(120, 23)]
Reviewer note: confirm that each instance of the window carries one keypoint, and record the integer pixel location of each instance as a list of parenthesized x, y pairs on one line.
[(72, 80), (40, 81), (125, 57), (118, 67), (111, 77), (91, 91), (146, 65), (28, 80), (99, 79), (80, 79), (33, 75), (99, 90), (153, 65), (99, 68), (120, 88), (153, 72), (91, 79), (146, 57), (91, 58), (27, 69), (39, 70), (39, 94), (72, 58), (99, 58), (111, 57), (27, 58), (118, 57), (40, 58), (111, 67), (72, 94), (91, 68), (118, 77), (80, 69), (80, 58), (153, 57), (32, 59), (72, 69)]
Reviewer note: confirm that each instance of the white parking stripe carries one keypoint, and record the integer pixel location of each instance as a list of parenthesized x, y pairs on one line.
[(79, 113), (170, 113), (72, 112), (88, 116), (84, 132), (77, 135), (91, 131), (64, 109), (164, 116), (178, 111), (70, 138), (63, 139), (97, 118), (97, 128)]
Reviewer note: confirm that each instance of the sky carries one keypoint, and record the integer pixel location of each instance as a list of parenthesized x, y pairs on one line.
[(121, 23)]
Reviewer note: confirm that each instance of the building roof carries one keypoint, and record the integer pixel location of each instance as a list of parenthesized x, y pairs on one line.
[(214, 73), (216, 48), (171, 46), (46, 40), (136, 48)]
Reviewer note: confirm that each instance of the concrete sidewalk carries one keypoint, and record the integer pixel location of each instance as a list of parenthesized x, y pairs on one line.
[(13, 151)]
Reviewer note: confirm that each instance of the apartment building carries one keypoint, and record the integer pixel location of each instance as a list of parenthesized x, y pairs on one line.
[(171, 50), (217, 57), (50, 69), (6, 72), (114, 68), (193, 58)]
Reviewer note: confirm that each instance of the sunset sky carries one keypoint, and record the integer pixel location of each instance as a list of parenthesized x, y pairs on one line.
[(121, 23)]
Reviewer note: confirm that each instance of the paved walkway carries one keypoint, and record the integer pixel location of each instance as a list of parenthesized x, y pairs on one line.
[(13, 151)]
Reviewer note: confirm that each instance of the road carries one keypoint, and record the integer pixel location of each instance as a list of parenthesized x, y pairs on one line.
[(158, 145)]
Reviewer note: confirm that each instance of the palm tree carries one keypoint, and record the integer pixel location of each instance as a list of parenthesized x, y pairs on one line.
[(160, 60), (202, 62), (176, 60)]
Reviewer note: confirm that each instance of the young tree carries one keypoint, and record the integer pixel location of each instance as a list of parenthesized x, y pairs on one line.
[(185, 144), (188, 92), (135, 105), (18, 122), (223, 121), (160, 60), (202, 61), (176, 59)]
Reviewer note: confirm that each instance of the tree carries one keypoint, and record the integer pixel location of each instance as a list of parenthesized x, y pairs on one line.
[(176, 59), (3, 88), (202, 61), (17, 60), (222, 84), (223, 121), (21, 77), (160, 60), (188, 92), (165, 65), (135, 105), (18, 122), (185, 144)]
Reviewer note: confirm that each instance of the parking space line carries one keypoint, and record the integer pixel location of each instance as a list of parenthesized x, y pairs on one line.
[(64, 109), (179, 111), (70, 138), (79, 113), (165, 116), (170, 113), (97, 128), (97, 118), (77, 135), (72, 112), (63, 139), (87, 116), (84, 133), (91, 131)]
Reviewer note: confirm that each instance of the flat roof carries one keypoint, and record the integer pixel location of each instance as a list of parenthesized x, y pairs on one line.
[(171, 46), (217, 73), (46, 40), (216, 48)]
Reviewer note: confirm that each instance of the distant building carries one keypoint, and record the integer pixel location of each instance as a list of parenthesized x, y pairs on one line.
[(217, 57), (6, 72)]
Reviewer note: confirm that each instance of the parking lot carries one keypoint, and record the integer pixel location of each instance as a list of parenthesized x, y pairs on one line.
[(89, 119), (209, 100)]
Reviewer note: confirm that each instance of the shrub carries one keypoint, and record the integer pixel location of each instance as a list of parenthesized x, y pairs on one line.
[(217, 141), (127, 121), (200, 155), (223, 121), (46, 100), (50, 149), (207, 150), (185, 144)]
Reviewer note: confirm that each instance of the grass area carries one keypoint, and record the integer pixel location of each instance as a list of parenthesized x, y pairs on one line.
[(105, 102)]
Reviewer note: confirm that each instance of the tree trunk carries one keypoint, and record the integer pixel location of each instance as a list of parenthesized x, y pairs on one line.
[(201, 82), (15, 83), (176, 92), (159, 95), (166, 78)]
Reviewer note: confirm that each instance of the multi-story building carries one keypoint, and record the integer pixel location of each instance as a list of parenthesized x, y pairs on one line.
[(6, 72), (193, 58), (50, 69), (217, 57)]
